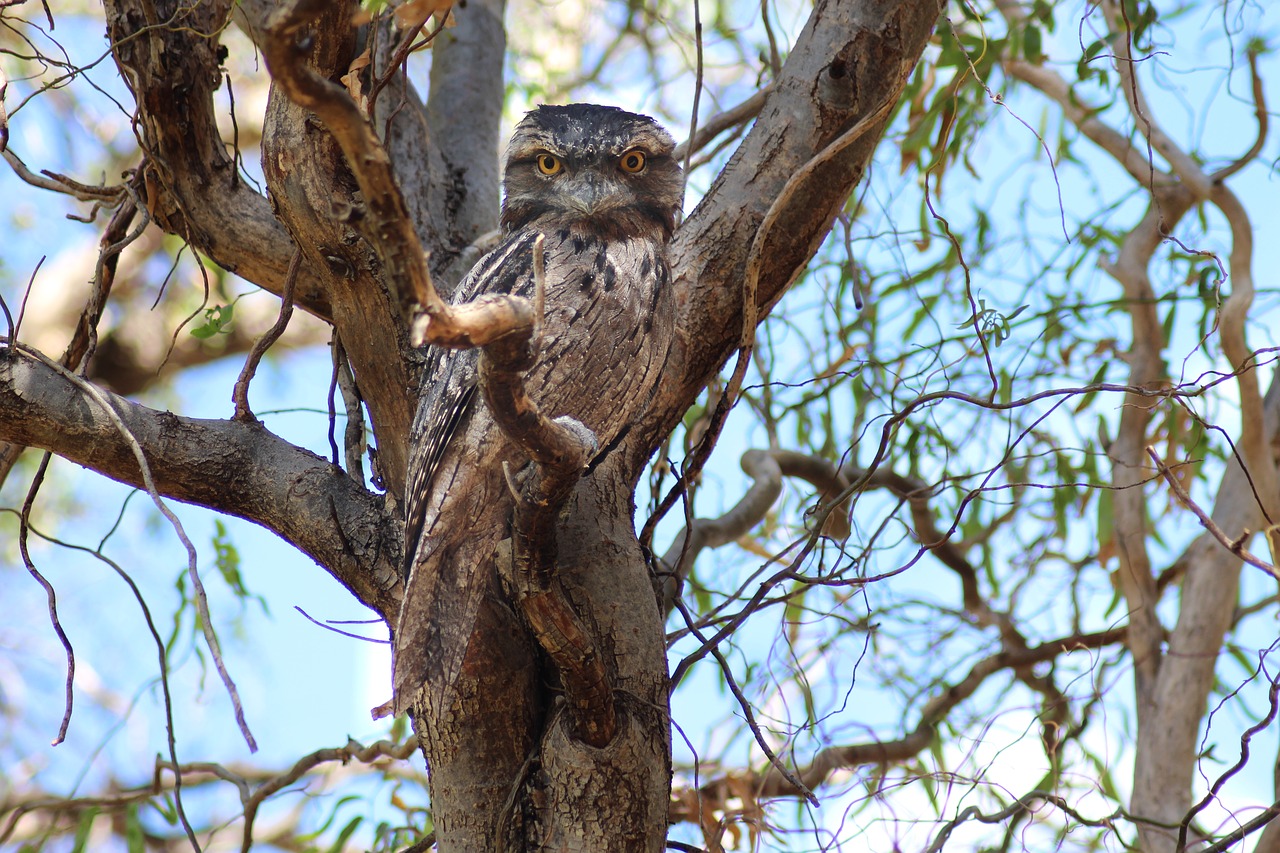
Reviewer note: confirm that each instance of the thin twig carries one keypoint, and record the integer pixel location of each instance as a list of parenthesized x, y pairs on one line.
[(328, 627), (22, 309), (24, 523), (240, 394), (747, 713), (1235, 546), (697, 89), (719, 123), (201, 600), (166, 695), (750, 310)]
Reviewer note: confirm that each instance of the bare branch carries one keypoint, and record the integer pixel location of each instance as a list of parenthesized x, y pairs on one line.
[(1263, 118), (387, 223), (1235, 546), (60, 183), (239, 469), (201, 600), (1182, 164), (240, 393), (719, 123)]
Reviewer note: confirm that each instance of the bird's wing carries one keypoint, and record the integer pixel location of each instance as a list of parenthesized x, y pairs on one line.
[(449, 383)]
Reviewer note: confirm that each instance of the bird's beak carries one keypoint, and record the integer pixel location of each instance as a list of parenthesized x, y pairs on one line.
[(590, 192)]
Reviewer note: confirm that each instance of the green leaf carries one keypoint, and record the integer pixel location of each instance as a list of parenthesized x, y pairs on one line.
[(217, 321), (346, 833), (83, 828), (134, 841), (227, 559), (1032, 45), (1086, 400)]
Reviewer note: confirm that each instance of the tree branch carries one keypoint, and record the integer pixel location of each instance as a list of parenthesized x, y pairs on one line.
[(239, 469), (849, 60), (193, 189)]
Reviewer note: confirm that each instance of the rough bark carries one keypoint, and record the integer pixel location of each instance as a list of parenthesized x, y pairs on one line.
[(237, 468), (171, 64), (316, 198)]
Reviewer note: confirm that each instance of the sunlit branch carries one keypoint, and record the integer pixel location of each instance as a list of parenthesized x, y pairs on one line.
[(240, 469), (1236, 545), (253, 785), (387, 223), (46, 180), (1182, 164)]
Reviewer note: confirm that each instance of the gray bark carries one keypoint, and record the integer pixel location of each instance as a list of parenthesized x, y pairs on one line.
[(237, 468)]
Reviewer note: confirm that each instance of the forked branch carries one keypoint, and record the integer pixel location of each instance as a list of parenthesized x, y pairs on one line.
[(386, 222)]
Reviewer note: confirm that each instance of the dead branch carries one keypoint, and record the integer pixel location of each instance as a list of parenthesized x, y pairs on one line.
[(52, 181), (240, 393), (253, 785), (1234, 545)]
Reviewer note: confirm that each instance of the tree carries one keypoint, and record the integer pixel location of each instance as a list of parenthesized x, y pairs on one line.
[(1009, 481)]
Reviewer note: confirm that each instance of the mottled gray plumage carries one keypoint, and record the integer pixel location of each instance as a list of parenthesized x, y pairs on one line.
[(602, 187)]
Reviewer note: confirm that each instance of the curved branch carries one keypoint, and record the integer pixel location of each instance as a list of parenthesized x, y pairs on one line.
[(1260, 114), (1253, 443), (1180, 162), (1056, 88), (193, 189), (766, 468), (239, 469), (749, 511)]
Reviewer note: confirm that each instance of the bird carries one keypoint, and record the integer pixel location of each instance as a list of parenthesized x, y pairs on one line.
[(602, 188)]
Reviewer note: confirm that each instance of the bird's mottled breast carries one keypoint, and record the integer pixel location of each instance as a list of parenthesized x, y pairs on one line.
[(607, 329)]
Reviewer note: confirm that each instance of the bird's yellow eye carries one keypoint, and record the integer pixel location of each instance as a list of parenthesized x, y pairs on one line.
[(633, 162), (549, 164)]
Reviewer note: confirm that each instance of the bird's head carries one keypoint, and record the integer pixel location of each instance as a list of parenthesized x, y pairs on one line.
[(592, 169)]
